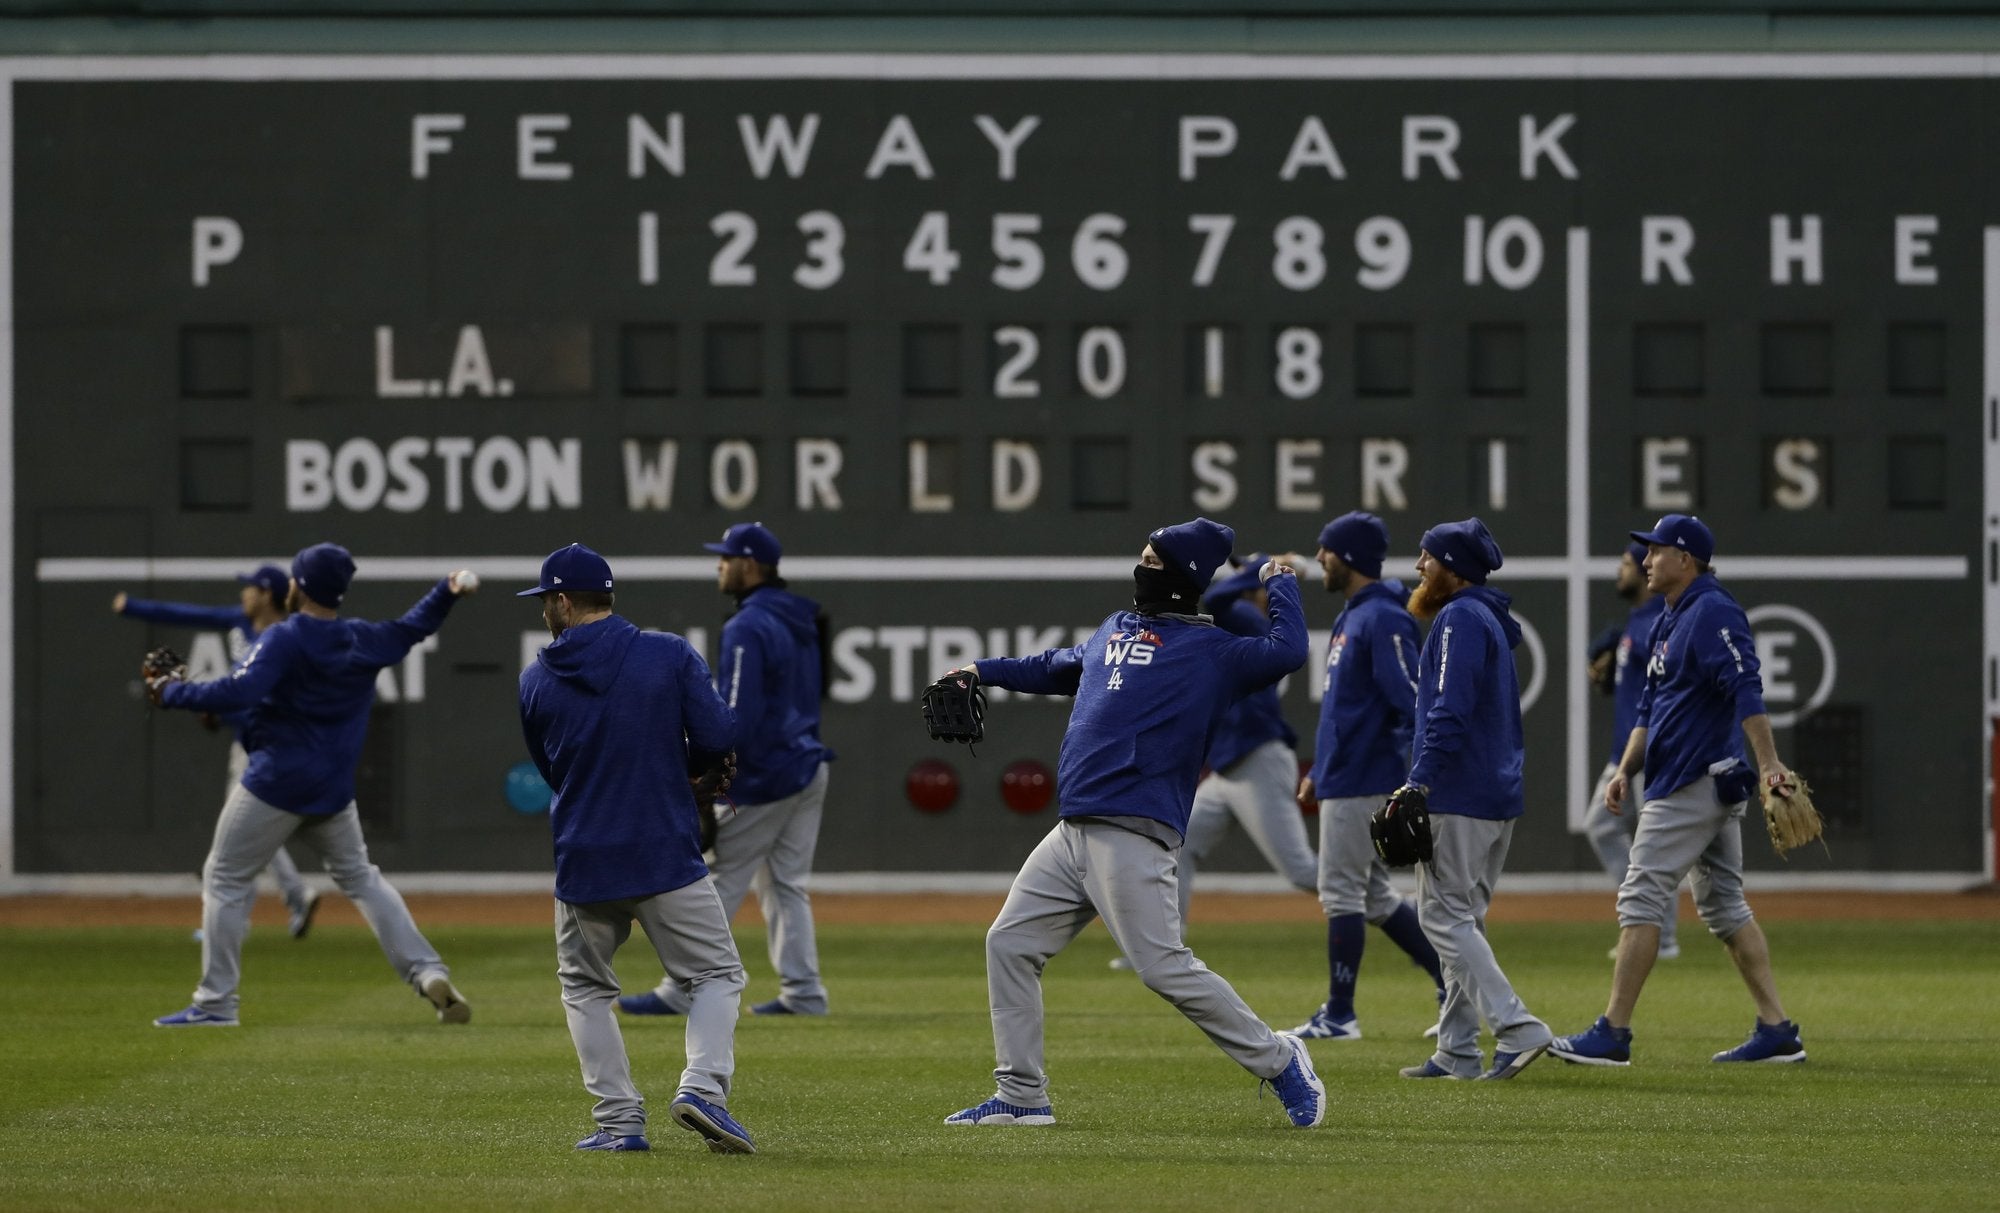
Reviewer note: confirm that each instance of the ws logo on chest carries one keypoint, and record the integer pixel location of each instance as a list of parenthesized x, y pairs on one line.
[(1135, 648), (1129, 648)]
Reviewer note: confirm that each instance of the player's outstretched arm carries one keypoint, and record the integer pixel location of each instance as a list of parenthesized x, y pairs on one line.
[(254, 678), (1055, 672), (388, 642), (179, 614)]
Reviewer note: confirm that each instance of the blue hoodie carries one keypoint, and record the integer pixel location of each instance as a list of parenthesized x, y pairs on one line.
[(231, 620), (308, 686), (1368, 701), (1468, 743), (1702, 683), (609, 714), (1257, 717), (1150, 690), (1628, 680), (769, 674)]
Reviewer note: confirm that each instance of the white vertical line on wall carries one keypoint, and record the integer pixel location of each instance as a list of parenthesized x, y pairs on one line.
[(1989, 545), (1577, 634), (9, 776)]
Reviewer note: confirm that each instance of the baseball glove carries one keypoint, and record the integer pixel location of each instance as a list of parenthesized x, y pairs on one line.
[(160, 667), (709, 785), (955, 708), (1789, 813), (1401, 828)]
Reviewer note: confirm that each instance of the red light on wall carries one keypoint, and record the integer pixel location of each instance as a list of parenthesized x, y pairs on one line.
[(1308, 802), (932, 786), (1027, 786)]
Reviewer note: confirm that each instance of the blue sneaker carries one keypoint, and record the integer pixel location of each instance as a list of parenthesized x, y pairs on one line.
[(605, 1140), (1430, 1069), (1768, 1042), (1324, 1025), (1299, 1087), (1602, 1045), (1506, 1065), (195, 1017), (777, 1006), (997, 1111), (648, 1003), (724, 1135)]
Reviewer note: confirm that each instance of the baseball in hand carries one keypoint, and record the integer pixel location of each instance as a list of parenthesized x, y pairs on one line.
[(465, 581)]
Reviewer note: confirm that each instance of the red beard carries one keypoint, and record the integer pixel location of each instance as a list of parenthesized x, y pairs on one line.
[(1429, 598)]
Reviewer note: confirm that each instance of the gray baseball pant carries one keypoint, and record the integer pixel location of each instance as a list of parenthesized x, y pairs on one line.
[(1259, 790), (1611, 837), (1080, 871), (247, 834), (1352, 879), (690, 934), (1453, 892), (283, 872), (771, 846), (1688, 833)]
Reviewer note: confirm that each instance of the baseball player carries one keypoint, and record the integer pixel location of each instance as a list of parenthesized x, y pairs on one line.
[(262, 604), (307, 684), (1610, 833), (1467, 764), (1366, 713), (1151, 685), (1251, 760), (771, 675), (614, 718), (1703, 699)]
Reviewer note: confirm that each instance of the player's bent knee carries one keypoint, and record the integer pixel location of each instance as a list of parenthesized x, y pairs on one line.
[(1725, 921)]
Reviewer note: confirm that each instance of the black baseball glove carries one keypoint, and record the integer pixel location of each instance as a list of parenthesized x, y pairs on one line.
[(160, 667), (1401, 829), (708, 784), (955, 708)]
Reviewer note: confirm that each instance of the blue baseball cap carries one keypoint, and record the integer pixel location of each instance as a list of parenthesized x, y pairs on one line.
[(1637, 551), (750, 539), (1194, 549), (267, 577), (1683, 531), (323, 571), (1467, 548), (571, 569), (1243, 580)]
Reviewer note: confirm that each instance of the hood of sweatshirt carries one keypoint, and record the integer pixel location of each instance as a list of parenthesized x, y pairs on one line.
[(796, 614), (1498, 603), (591, 654)]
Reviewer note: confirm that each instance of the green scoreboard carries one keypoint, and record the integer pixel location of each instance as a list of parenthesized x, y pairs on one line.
[(961, 329)]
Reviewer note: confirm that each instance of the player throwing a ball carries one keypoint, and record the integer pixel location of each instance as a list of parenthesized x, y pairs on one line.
[(1150, 686)]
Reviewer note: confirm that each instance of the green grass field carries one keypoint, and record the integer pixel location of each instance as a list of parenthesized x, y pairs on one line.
[(341, 1093)]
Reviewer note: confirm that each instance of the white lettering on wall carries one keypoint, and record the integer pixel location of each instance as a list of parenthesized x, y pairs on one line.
[(1664, 464), (506, 474), (1790, 249), (218, 240)]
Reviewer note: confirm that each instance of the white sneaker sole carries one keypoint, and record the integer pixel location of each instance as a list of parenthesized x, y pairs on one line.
[(451, 1005), (1578, 1059), (1003, 1120), (1762, 1061)]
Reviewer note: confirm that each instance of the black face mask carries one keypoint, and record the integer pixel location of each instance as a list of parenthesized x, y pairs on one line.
[(1158, 591)]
